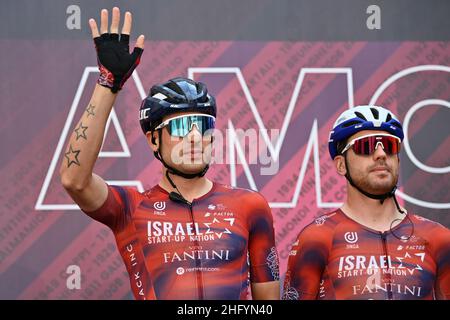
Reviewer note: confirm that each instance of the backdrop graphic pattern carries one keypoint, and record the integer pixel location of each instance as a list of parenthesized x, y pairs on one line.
[(36, 246)]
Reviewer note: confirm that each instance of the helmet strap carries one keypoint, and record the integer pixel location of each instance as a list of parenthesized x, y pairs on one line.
[(381, 197)]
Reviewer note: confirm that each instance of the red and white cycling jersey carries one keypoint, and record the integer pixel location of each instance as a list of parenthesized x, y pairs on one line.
[(337, 258), (210, 250)]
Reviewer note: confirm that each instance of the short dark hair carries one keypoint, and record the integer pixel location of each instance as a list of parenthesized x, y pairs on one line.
[(340, 146)]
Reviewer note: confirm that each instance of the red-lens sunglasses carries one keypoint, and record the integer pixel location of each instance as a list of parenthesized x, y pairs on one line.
[(366, 145)]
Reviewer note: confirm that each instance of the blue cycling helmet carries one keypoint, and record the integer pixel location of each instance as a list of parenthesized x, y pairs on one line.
[(174, 96), (362, 118)]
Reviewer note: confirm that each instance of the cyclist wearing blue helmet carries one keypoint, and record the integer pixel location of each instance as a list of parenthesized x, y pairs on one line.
[(370, 248), (186, 237), (363, 129), (178, 105)]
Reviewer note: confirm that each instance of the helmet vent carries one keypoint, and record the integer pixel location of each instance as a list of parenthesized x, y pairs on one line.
[(350, 123), (375, 113), (360, 115), (174, 86), (389, 117)]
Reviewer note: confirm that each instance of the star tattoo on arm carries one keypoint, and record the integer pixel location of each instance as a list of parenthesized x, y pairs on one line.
[(72, 157), (81, 131), (90, 110)]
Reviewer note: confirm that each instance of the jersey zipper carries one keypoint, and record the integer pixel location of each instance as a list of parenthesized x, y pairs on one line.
[(387, 275), (198, 263)]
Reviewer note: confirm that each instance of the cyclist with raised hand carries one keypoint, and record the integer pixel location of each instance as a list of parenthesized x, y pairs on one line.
[(370, 248), (187, 237)]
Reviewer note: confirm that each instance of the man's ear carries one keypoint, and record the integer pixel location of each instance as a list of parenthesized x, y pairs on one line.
[(153, 139), (341, 168)]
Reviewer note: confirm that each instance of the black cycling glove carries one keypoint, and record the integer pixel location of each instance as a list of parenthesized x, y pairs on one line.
[(115, 62)]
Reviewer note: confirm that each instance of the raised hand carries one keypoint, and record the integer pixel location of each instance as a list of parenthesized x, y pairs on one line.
[(115, 62)]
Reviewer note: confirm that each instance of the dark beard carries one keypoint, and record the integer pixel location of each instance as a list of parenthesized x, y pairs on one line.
[(375, 188), (365, 184)]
